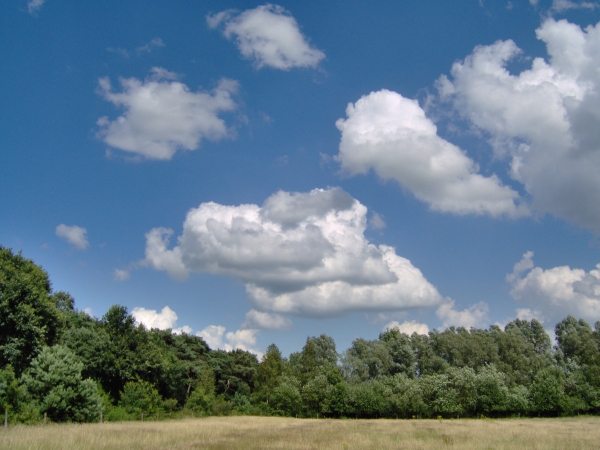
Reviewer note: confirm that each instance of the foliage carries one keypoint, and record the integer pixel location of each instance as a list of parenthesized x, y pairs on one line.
[(54, 383), (140, 397), (60, 361), (29, 319)]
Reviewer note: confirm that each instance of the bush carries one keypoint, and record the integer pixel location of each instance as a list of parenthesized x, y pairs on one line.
[(140, 397)]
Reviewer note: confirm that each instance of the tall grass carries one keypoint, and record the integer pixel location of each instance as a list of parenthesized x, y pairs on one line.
[(243, 432)]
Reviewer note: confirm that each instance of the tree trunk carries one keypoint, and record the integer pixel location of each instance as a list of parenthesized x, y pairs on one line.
[(5, 417)]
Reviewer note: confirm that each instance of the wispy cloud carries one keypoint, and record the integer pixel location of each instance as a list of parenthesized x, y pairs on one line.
[(34, 6)]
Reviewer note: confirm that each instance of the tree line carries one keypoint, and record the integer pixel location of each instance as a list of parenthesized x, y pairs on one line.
[(60, 364)]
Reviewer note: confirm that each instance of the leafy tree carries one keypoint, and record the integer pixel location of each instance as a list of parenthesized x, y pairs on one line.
[(369, 399), (546, 391), (10, 391), (315, 395), (286, 398), (407, 399), (318, 356), (203, 397), (366, 360), (29, 318), (140, 397), (234, 371), (427, 361), (401, 352), (270, 369), (337, 405), (464, 387), (491, 390), (54, 382)]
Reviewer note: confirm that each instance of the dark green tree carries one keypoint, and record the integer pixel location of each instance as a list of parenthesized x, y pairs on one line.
[(54, 383), (29, 318)]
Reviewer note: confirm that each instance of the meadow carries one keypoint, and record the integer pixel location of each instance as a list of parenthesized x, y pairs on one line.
[(244, 432)]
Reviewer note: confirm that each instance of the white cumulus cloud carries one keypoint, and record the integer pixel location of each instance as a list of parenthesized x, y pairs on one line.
[(153, 319), (391, 135), (474, 316), (408, 327), (269, 35), (558, 291), (74, 235), (544, 120), (298, 253), (163, 116), (216, 338)]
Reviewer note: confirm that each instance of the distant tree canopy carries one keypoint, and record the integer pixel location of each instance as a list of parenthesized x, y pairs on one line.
[(60, 361)]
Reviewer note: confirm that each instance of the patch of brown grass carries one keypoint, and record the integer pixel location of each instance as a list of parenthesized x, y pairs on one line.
[(283, 433)]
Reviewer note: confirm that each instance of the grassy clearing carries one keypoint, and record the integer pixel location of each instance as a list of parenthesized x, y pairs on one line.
[(283, 433)]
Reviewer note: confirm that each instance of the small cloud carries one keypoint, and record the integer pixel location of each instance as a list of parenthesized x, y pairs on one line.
[(119, 51), (154, 43), (376, 222), (269, 35), (121, 275), (74, 235), (282, 160), (473, 316), (565, 5), (184, 329), (34, 6), (408, 327), (153, 319), (88, 311), (240, 339)]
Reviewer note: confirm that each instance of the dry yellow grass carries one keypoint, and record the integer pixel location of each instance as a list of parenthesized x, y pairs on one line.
[(281, 433)]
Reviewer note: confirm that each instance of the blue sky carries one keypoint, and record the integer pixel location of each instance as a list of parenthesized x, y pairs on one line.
[(259, 173)]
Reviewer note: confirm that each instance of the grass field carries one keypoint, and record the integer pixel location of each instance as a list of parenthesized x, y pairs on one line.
[(282, 433)]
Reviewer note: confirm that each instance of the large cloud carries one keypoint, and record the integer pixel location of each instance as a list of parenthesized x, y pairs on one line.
[(546, 119), (162, 115), (298, 253), (269, 35), (391, 135), (558, 291)]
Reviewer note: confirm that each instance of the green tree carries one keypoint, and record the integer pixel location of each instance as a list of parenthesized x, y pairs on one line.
[(29, 318), (54, 382), (202, 398), (271, 368), (402, 354), (547, 391), (286, 398), (315, 395), (492, 392), (10, 392), (407, 399), (318, 356), (140, 397)]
